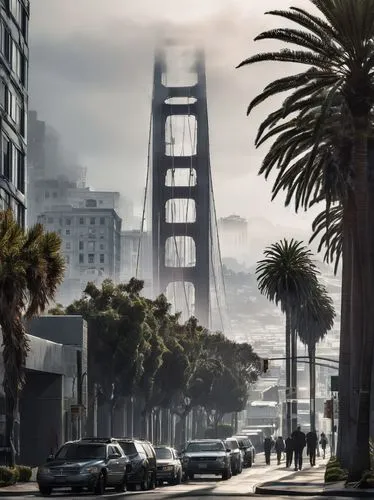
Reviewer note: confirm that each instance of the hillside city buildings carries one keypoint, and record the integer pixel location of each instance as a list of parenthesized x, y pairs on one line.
[(14, 57)]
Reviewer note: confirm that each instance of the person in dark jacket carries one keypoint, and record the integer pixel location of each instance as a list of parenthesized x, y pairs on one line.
[(299, 444), (323, 442), (279, 448), (311, 446), (289, 451), (268, 445)]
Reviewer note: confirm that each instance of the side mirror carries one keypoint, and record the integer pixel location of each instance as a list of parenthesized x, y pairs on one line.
[(128, 468), (50, 458), (228, 450)]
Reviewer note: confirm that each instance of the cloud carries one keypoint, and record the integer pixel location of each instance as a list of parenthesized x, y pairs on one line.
[(91, 78)]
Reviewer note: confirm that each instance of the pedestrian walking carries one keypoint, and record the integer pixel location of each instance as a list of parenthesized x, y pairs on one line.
[(279, 448), (268, 445), (289, 451), (299, 444), (323, 442), (311, 446)]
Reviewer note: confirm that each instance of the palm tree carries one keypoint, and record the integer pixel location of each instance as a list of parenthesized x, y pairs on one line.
[(337, 48), (30, 272), (287, 276), (314, 319)]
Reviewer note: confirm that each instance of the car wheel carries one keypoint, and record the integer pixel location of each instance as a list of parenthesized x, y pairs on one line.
[(131, 487), (152, 484), (226, 474), (250, 462), (45, 491), (121, 488), (100, 484), (178, 478)]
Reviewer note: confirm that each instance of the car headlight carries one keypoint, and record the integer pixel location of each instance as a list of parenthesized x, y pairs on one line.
[(92, 470), (43, 470), (169, 467), (221, 460), (186, 460)]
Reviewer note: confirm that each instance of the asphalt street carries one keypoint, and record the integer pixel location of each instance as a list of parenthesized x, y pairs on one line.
[(207, 487)]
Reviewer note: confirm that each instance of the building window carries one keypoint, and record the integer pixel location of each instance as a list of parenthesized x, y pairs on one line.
[(50, 220), (54, 194), (102, 258), (46, 195), (91, 203), (2, 94), (17, 61), (91, 258), (102, 220), (21, 171), (67, 232), (81, 245), (91, 246), (7, 158), (81, 221), (67, 259), (5, 42), (21, 215), (68, 245), (92, 221), (102, 246), (81, 258), (68, 222)]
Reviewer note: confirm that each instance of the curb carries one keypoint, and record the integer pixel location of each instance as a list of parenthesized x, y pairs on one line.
[(356, 493), (26, 493)]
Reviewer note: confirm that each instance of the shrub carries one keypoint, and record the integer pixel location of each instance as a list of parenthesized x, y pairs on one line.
[(335, 473), (8, 476), (24, 473)]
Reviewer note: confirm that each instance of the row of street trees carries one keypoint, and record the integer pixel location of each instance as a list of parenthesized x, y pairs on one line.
[(288, 276), (321, 153), (138, 347)]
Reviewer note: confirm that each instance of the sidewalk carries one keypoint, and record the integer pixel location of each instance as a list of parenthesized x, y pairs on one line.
[(19, 490), (310, 482)]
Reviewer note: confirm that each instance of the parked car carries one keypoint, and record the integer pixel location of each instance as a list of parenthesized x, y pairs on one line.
[(206, 456), (169, 465), (142, 457), (235, 455), (247, 449), (90, 463)]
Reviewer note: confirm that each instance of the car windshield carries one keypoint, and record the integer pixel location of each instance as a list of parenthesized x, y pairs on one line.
[(205, 446), (163, 454), (128, 447), (77, 451), (231, 444)]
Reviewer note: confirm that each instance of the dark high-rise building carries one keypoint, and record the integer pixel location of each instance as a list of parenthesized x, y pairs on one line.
[(14, 55)]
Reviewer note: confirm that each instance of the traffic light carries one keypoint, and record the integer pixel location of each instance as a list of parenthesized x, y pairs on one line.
[(265, 365)]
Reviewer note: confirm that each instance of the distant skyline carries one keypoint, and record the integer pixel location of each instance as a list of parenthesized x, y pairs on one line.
[(91, 79)]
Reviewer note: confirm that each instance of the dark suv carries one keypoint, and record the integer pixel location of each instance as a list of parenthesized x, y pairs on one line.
[(236, 455), (206, 456), (142, 457), (91, 463)]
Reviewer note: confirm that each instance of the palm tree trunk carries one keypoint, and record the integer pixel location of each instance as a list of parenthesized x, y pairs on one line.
[(361, 449), (10, 417), (345, 400), (294, 377), (288, 372), (312, 385)]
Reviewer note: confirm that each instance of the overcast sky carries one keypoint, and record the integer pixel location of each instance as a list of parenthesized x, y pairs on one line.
[(91, 76)]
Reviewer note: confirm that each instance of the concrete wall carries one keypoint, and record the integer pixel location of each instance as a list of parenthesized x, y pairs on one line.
[(54, 372)]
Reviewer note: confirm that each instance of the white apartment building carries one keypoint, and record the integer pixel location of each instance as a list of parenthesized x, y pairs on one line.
[(91, 244)]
